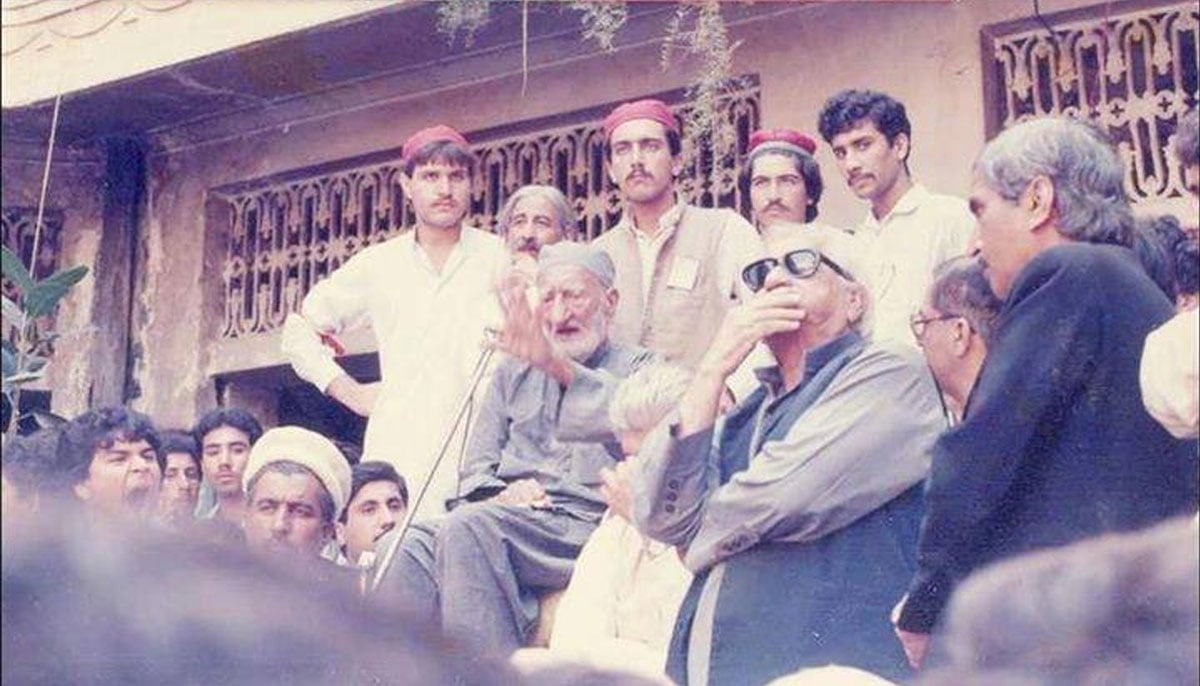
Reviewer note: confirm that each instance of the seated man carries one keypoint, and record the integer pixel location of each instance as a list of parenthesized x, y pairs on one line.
[(109, 460), (620, 606), (802, 529), (529, 483), (378, 502), (953, 326), (296, 484)]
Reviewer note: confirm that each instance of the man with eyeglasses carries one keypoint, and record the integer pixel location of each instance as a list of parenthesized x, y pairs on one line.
[(953, 326), (805, 520)]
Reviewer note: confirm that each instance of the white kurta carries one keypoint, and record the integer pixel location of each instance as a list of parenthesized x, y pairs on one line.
[(429, 328), (923, 230), (1171, 374)]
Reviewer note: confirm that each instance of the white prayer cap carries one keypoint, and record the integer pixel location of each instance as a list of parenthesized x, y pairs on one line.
[(307, 449)]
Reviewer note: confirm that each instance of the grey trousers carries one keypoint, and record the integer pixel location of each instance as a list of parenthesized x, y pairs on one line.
[(482, 567)]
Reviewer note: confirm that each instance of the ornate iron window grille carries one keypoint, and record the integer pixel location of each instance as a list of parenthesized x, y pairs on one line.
[(1130, 67)]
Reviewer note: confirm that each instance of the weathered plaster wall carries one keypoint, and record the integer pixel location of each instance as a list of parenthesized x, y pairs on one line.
[(75, 188), (927, 55)]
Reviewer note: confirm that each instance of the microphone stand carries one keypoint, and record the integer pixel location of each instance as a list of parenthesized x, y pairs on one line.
[(389, 555)]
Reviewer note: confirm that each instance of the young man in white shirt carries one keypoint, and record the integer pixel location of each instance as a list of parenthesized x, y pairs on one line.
[(909, 229), (428, 295)]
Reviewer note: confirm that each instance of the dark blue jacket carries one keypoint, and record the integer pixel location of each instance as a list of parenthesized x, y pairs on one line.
[(1056, 445)]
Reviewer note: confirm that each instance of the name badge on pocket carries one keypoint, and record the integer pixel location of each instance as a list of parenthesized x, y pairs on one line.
[(684, 272)]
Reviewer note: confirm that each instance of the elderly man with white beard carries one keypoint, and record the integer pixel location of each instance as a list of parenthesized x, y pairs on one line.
[(530, 477)]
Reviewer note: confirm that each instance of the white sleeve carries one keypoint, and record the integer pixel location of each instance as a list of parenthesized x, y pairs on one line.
[(1169, 375), (587, 612), (334, 305), (740, 245)]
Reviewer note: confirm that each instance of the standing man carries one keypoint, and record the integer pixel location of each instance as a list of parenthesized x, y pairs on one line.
[(428, 296), (678, 266), (910, 230), (225, 436), (783, 177), (1055, 445), (535, 216)]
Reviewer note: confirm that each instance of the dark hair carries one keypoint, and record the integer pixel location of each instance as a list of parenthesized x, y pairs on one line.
[(233, 417), (848, 108), (371, 471), (1187, 139), (1187, 267), (28, 460), (1117, 609), (176, 441), (806, 166), (91, 431), (674, 143), (445, 152), (961, 288), (145, 612), (1155, 240), (351, 451), (289, 468)]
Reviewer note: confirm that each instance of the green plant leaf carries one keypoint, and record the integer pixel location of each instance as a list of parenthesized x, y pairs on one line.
[(14, 270), (35, 363), (45, 294)]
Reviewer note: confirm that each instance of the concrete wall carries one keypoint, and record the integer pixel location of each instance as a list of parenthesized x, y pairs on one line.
[(75, 188), (925, 54)]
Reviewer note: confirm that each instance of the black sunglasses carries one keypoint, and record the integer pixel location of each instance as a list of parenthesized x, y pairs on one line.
[(801, 264)]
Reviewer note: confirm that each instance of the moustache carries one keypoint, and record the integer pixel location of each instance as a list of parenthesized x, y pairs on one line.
[(527, 244)]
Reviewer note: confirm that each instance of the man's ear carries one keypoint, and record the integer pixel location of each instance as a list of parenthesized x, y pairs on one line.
[(901, 146), (677, 166), (856, 304), (82, 490), (405, 183), (339, 533), (611, 299), (1038, 202), (962, 337)]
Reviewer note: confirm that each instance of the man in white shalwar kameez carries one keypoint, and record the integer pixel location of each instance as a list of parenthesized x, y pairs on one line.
[(428, 295)]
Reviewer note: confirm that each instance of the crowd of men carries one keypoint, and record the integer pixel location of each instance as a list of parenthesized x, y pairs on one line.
[(702, 448)]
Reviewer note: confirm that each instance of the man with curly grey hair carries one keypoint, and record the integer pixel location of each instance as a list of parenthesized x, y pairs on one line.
[(1055, 445), (535, 216)]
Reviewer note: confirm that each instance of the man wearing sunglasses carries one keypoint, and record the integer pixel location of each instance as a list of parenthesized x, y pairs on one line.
[(805, 519)]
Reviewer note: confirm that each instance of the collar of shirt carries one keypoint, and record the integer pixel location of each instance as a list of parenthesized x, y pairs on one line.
[(814, 361), (667, 223), (906, 205), (467, 240)]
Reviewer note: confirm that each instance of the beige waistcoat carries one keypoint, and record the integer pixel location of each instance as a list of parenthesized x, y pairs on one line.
[(676, 322)]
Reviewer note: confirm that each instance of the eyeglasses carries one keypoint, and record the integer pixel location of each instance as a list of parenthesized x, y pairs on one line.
[(917, 322), (801, 264)]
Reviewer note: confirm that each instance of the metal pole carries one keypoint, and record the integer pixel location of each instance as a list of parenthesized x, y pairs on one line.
[(389, 555)]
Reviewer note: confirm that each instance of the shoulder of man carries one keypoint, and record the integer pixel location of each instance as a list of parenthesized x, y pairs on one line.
[(1074, 265), (891, 356)]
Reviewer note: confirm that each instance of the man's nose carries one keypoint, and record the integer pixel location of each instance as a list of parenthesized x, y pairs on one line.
[(778, 276), (975, 243), (280, 522), (443, 185)]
